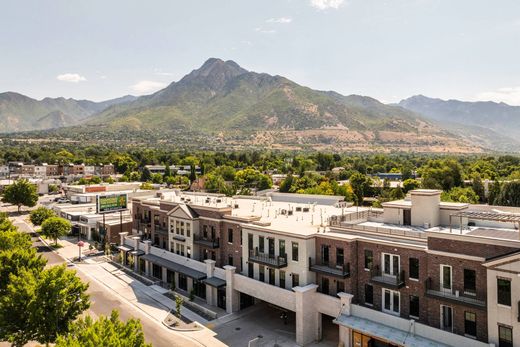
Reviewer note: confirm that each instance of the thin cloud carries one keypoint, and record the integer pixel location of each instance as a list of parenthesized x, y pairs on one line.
[(509, 95), (163, 73), (281, 20), (143, 87), (326, 4), (265, 31), (71, 77)]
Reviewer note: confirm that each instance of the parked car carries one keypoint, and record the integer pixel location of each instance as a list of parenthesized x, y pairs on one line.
[(63, 200)]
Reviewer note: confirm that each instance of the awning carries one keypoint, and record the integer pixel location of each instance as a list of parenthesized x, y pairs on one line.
[(172, 266), (385, 333), (215, 282), (137, 252), (125, 248)]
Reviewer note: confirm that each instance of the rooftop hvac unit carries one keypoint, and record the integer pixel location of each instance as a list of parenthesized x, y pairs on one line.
[(305, 209), (219, 200), (289, 212), (426, 225), (236, 205), (298, 209)]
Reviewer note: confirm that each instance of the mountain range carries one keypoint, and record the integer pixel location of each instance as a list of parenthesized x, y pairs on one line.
[(222, 104)]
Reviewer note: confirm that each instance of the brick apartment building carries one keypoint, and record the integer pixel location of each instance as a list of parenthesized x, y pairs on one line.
[(418, 272)]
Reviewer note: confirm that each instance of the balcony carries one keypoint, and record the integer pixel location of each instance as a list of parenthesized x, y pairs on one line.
[(209, 243), (160, 230), (342, 271), (436, 291), (392, 281), (273, 261)]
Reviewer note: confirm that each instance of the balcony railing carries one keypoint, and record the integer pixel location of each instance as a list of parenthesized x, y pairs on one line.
[(268, 259), (160, 229), (206, 242), (394, 281), (342, 271), (437, 291)]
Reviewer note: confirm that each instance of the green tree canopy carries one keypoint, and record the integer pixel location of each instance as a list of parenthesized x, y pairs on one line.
[(39, 215), (509, 194), (54, 227), (5, 223), (106, 331), (361, 185), (459, 194), (21, 193)]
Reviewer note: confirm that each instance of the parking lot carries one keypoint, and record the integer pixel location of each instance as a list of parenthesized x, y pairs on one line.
[(264, 322)]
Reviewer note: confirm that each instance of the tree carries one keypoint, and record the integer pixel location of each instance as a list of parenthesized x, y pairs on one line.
[(13, 239), (54, 227), (106, 331), (441, 174), (146, 186), (178, 304), (459, 194), (157, 178), (478, 187), (21, 193), (146, 175), (410, 184), (5, 223), (509, 194), (360, 186), (39, 215), (15, 260), (167, 171), (193, 174), (60, 297)]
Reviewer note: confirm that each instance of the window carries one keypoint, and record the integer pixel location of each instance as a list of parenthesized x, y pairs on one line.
[(177, 227), (505, 336), (446, 318), (281, 248), (240, 238), (261, 273), (325, 254), (188, 229), (446, 277), (282, 279), (241, 265), (414, 268), (390, 264), (369, 294), (470, 285), (340, 258), (504, 291), (391, 301), (261, 244), (325, 285), (188, 251), (340, 286), (369, 259), (230, 235), (414, 306), (295, 251), (250, 241), (271, 276), (182, 228), (295, 280), (230, 260), (205, 231), (470, 324)]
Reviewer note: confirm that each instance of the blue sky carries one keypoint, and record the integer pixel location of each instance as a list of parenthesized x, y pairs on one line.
[(100, 49)]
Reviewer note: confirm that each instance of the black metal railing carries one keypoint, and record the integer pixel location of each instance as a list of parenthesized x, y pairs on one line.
[(326, 268), (394, 280), (268, 259), (207, 242), (438, 291)]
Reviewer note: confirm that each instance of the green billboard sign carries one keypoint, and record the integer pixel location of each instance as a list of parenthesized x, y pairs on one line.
[(111, 203)]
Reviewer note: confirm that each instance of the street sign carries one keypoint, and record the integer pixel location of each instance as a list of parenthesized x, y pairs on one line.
[(111, 203)]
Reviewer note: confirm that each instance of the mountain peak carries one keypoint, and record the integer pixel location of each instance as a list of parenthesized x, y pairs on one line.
[(216, 66)]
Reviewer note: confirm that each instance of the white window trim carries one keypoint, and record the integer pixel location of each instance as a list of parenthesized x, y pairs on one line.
[(391, 262), (440, 313), (441, 278), (391, 311)]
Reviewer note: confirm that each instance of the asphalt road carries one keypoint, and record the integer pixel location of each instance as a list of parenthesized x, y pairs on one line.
[(104, 301)]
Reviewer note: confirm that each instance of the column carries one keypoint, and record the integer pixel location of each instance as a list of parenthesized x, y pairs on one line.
[(190, 284), (122, 238), (164, 275), (307, 317), (345, 334), (211, 297), (232, 296)]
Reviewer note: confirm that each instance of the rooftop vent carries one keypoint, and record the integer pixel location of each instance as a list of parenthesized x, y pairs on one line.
[(305, 209), (236, 205), (290, 212), (298, 209)]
